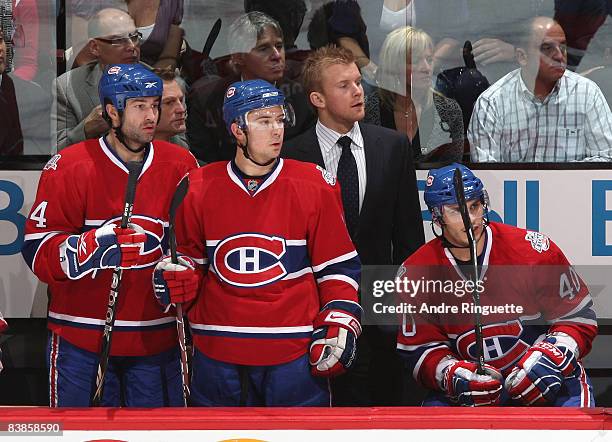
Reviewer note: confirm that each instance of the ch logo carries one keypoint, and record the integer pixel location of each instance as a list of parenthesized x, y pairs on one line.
[(502, 344), (250, 259)]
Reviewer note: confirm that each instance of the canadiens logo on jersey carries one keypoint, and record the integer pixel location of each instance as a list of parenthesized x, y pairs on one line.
[(502, 345), (539, 242), (250, 259)]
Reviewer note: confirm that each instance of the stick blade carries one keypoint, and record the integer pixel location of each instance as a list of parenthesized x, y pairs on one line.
[(179, 196)]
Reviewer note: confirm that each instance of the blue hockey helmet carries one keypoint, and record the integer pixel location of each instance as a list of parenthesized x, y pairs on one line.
[(440, 188), (120, 82), (244, 96)]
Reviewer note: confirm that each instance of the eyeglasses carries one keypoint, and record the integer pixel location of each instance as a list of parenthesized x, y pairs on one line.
[(550, 49), (134, 38)]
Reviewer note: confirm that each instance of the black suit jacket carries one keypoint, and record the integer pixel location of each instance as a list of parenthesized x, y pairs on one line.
[(11, 138), (390, 224)]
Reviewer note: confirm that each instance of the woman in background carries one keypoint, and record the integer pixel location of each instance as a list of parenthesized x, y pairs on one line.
[(405, 100)]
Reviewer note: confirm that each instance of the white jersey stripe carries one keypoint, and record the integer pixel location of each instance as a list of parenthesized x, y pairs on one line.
[(344, 278), (253, 330), (118, 323), (336, 260)]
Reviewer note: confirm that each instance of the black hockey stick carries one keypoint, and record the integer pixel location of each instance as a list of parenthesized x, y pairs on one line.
[(212, 37), (134, 169), (177, 199), (467, 224)]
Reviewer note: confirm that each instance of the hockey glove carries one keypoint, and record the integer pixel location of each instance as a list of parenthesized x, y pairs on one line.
[(103, 248), (175, 283), (463, 386), (538, 376), (334, 340)]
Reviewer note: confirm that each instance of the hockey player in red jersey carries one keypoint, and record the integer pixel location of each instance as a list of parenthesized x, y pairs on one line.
[(277, 311), (540, 321), (73, 243)]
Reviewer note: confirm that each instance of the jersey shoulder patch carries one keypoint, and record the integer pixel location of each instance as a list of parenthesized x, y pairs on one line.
[(52, 163), (539, 242), (327, 176)]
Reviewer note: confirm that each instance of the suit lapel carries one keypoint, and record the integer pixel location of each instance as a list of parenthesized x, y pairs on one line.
[(312, 149), (374, 172), (92, 79)]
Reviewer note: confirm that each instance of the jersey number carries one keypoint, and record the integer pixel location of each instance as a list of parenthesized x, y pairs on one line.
[(569, 286), (38, 215)]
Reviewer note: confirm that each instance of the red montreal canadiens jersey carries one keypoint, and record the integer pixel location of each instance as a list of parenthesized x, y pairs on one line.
[(277, 251), (519, 267), (83, 188)]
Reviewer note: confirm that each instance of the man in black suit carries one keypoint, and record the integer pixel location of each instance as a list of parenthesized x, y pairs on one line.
[(380, 198)]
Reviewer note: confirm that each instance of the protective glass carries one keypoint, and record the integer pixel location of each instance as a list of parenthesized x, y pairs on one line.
[(550, 49), (270, 118), (134, 38)]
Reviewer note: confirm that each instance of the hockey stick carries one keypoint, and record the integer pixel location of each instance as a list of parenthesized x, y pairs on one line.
[(467, 224), (134, 169), (177, 199)]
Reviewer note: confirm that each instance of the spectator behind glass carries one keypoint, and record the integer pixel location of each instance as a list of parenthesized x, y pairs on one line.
[(257, 51), (541, 112), (11, 139), (290, 15), (162, 36), (78, 15), (405, 100), (171, 126), (78, 113)]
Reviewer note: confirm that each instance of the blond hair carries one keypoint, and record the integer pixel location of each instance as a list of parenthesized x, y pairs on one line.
[(320, 60), (400, 44)]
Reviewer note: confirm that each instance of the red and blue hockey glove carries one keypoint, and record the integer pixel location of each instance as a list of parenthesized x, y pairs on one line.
[(103, 248), (463, 386), (334, 339), (175, 283), (538, 376)]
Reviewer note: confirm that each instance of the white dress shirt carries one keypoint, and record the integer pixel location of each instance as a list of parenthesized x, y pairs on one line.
[(331, 152), (510, 124)]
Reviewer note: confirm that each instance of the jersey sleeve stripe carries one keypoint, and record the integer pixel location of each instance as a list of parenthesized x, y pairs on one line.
[(297, 274), (417, 366), (576, 321), (33, 236), (339, 259), (585, 304), (31, 248), (344, 278)]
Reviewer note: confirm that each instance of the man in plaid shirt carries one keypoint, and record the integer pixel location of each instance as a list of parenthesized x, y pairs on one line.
[(541, 112)]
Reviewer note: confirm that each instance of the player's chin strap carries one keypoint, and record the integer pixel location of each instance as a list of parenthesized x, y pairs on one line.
[(245, 151)]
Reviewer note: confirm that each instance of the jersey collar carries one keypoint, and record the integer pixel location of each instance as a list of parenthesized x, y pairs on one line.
[(483, 258), (112, 155), (237, 176)]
